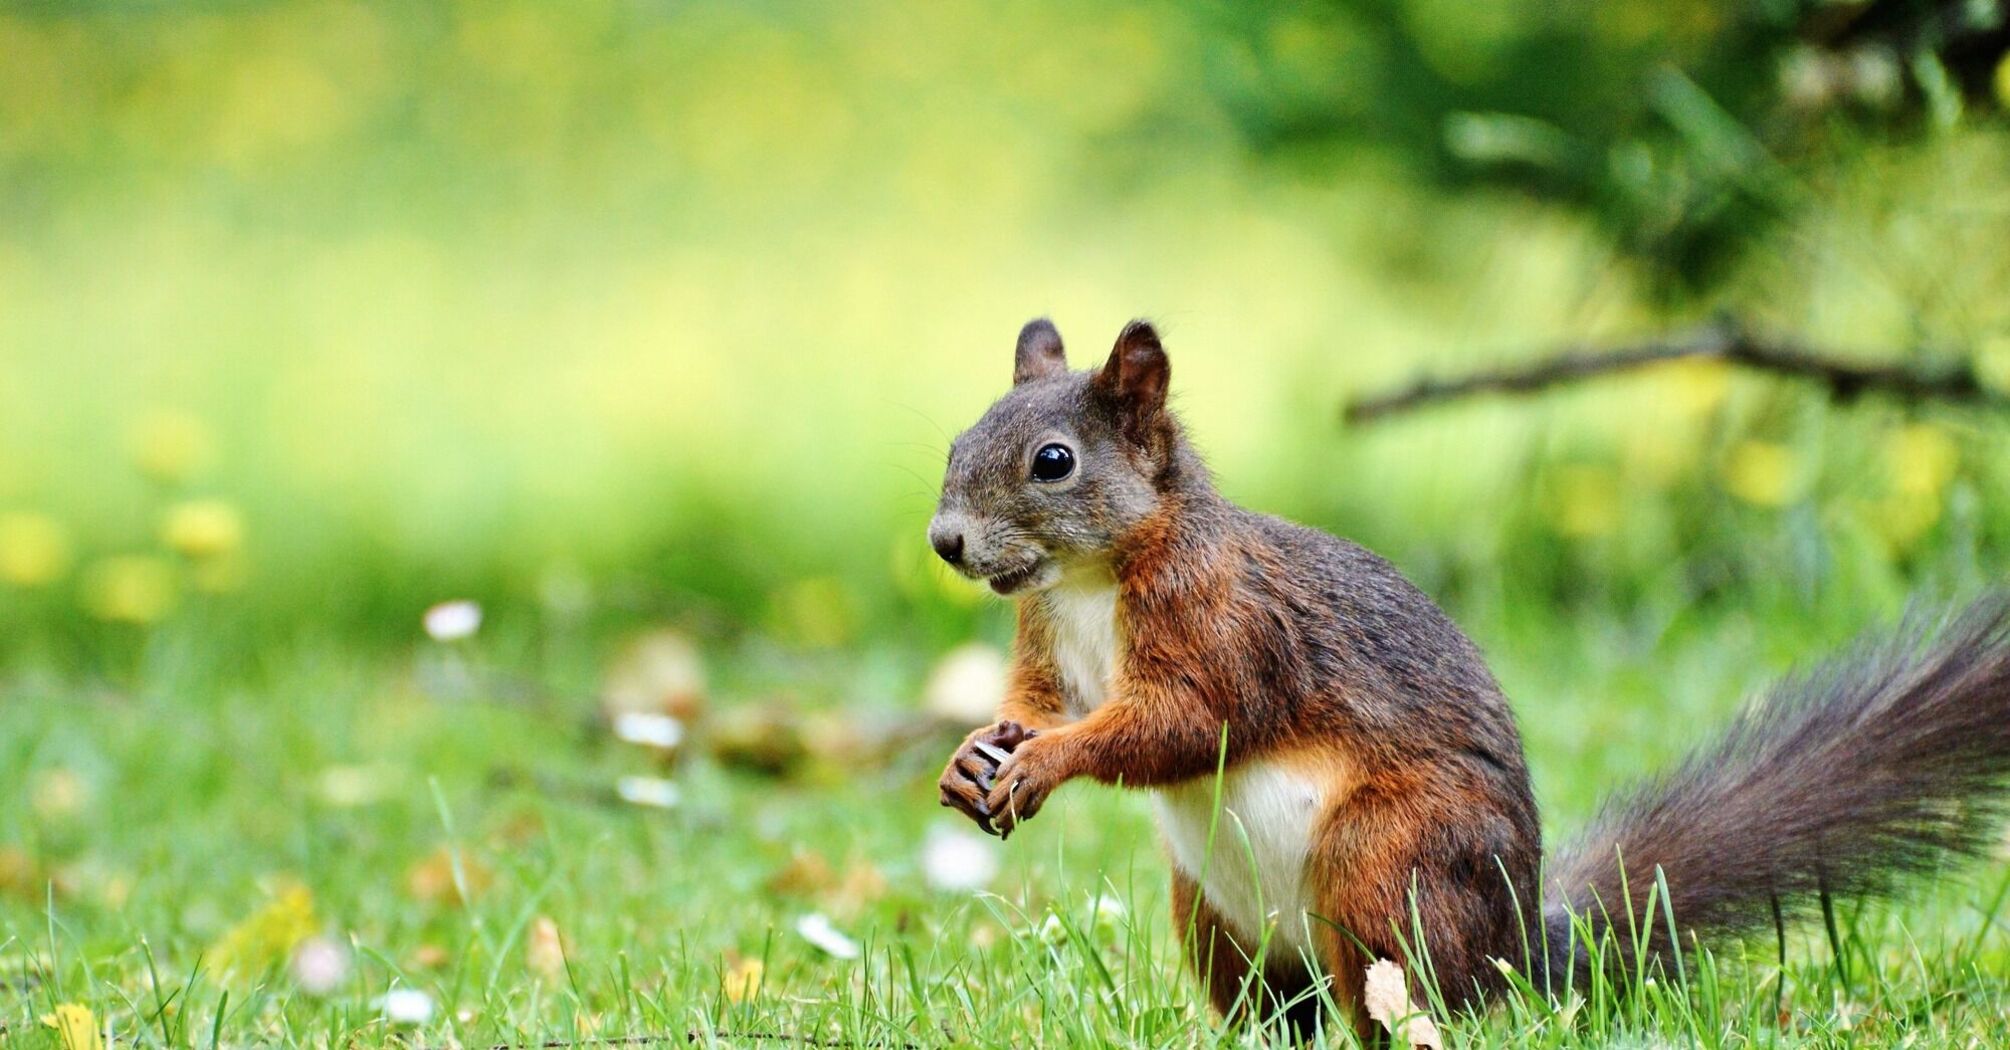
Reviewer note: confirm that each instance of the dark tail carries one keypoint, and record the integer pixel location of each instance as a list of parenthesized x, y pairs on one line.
[(1848, 780)]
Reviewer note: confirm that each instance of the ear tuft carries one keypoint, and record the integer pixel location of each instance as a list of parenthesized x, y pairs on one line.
[(1137, 373), (1040, 353)]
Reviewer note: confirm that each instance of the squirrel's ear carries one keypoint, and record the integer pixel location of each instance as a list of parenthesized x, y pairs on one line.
[(1040, 354), (1136, 375)]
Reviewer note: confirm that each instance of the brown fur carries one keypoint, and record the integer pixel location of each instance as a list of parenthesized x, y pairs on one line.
[(1306, 649), (1296, 643)]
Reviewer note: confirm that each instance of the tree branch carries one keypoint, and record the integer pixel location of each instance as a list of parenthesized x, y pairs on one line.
[(1725, 341)]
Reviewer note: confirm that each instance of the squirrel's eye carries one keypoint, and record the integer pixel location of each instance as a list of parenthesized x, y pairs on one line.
[(1053, 463)]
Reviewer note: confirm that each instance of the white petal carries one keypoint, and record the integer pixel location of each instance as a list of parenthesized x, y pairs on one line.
[(657, 731), (320, 965), (817, 929), (647, 791), (406, 1006), (453, 621), (957, 861)]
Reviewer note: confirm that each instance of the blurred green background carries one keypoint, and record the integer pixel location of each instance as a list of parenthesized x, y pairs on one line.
[(315, 314), (652, 319)]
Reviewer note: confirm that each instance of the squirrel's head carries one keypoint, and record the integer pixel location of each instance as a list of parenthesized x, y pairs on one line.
[(1062, 467)]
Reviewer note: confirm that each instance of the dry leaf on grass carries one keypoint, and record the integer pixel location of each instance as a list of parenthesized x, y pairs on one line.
[(1388, 1002), (432, 881), (544, 950), (658, 673), (75, 1026), (742, 979), (269, 935)]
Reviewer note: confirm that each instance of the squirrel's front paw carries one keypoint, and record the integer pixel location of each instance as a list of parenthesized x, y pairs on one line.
[(1023, 781), (971, 771)]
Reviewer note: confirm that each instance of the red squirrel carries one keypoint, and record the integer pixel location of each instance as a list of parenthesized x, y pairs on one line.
[(1371, 781)]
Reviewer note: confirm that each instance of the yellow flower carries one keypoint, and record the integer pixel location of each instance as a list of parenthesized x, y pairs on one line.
[(129, 589), (203, 528), (170, 446), (1697, 385), (1992, 362), (268, 936), (2003, 81), (743, 980), (34, 550), (1764, 473), (1922, 459), (76, 1027), (1586, 502)]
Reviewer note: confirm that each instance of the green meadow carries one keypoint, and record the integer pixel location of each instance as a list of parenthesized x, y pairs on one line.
[(644, 328)]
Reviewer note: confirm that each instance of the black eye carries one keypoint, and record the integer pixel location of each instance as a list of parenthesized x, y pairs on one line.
[(1053, 463)]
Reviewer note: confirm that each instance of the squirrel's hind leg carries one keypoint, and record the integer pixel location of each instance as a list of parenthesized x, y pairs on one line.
[(1392, 861), (1223, 967)]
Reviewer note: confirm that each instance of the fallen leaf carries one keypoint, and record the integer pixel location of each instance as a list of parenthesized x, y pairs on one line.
[(805, 873), (431, 880), (742, 979), (544, 951), (76, 1027), (766, 738), (862, 884), (658, 673), (268, 937), (1387, 1000), (20, 876)]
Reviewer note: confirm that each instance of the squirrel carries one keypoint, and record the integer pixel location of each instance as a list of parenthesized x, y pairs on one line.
[(1337, 775)]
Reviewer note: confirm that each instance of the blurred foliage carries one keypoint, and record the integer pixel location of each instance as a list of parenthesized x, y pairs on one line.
[(316, 313), (1687, 130)]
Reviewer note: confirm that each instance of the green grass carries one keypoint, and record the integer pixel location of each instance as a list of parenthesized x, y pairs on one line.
[(164, 811), (616, 315)]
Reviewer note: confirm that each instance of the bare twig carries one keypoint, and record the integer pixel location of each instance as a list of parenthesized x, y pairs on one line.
[(1724, 341)]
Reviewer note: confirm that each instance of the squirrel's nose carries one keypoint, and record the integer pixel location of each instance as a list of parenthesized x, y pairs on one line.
[(948, 543)]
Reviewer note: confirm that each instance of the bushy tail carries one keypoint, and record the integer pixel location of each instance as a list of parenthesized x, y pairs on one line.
[(1847, 780)]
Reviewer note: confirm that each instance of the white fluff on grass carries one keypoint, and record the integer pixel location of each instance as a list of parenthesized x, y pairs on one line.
[(320, 965), (406, 1006), (453, 621), (653, 792), (1387, 999), (817, 928), (658, 731), (958, 861)]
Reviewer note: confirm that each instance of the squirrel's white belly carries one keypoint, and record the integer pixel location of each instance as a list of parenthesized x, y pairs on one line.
[(1255, 877), (1268, 808), (1083, 608)]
